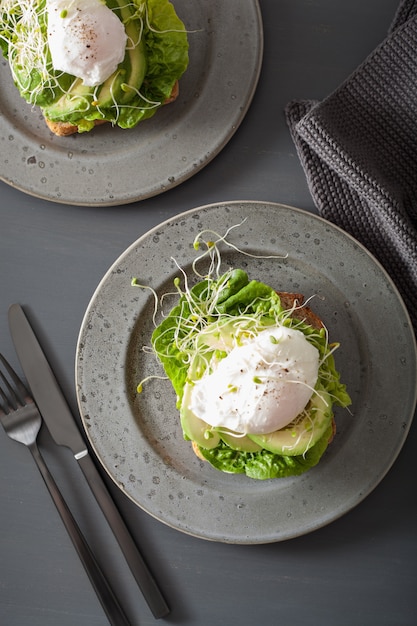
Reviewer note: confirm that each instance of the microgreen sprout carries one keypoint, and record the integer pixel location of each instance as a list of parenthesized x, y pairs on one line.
[(212, 250), (135, 283), (24, 33), (139, 388)]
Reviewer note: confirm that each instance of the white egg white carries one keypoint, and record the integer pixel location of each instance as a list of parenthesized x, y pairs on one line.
[(86, 39), (260, 386)]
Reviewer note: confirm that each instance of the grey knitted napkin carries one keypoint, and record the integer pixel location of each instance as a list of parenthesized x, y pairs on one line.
[(358, 149)]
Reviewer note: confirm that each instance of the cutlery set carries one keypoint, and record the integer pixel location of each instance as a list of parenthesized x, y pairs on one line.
[(22, 413)]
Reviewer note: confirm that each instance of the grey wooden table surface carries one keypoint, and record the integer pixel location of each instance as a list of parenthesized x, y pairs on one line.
[(360, 570)]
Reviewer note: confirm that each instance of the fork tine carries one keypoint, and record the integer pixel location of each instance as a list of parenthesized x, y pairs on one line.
[(4, 404), (15, 397), (12, 399), (15, 378)]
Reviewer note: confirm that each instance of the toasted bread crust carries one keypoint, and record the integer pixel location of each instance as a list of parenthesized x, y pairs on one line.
[(64, 129), (333, 431), (174, 93), (295, 301), (196, 451)]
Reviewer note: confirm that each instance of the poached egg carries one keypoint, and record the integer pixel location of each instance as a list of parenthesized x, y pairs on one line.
[(86, 39), (260, 386)]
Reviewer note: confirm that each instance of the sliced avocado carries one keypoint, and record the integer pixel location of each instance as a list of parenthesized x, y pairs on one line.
[(194, 428), (244, 444), (72, 105), (134, 66), (133, 78), (303, 432)]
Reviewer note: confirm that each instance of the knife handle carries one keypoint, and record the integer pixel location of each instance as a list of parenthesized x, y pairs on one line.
[(101, 586), (140, 571)]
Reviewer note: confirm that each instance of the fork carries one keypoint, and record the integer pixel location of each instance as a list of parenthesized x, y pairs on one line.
[(22, 421)]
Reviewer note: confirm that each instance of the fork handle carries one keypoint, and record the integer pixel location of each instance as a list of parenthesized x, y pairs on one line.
[(102, 587)]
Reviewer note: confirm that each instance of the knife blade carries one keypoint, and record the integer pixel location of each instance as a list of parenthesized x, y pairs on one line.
[(64, 430)]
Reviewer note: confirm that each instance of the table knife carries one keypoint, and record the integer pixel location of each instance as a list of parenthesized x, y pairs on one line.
[(64, 430)]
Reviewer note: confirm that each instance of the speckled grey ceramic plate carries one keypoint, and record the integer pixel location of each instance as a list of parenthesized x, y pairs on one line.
[(112, 166), (138, 437)]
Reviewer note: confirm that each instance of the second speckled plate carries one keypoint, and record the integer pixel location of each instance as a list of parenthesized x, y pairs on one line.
[(111, 166), (138, 438)]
